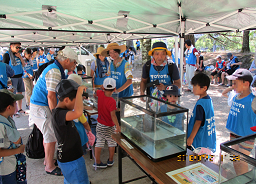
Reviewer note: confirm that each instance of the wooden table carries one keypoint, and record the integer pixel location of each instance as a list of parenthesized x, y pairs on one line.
[(156, 171)]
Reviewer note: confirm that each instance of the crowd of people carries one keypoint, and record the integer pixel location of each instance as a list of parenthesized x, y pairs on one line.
[(55, 100)]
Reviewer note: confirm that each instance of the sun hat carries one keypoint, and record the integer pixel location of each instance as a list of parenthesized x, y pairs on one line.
[(241, 73), (172, 90), (229, 55), (159, 46), (16, 97), (65, 86), (99, 50), (109, 83), (113, 46), (69, 53), (219, 56)]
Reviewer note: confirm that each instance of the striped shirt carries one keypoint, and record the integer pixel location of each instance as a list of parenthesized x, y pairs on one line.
[(52, 78)]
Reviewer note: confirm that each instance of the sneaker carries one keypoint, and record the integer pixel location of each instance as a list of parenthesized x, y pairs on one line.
[(101, 165), (212, 82), (228, 85), (27, 107), (110, 163)]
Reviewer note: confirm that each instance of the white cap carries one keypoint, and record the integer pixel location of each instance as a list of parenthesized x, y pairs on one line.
[(219, 56), (52, 49), (70, 53), (75, 78), (109, 83)]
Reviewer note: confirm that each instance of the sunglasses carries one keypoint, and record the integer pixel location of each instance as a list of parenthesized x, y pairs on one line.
[(18, 47)]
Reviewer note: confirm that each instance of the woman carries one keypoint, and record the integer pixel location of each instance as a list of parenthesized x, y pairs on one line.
[(99, 68)]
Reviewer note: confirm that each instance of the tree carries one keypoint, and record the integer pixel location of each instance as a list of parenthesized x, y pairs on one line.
[(145, 47), (190, 37), (246, 43)]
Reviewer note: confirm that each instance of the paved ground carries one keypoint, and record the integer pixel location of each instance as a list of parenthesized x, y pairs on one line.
[(35, 168)]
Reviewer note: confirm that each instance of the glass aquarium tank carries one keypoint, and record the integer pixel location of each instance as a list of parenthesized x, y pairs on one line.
[(237, 161), (87, 81), (156, 127)]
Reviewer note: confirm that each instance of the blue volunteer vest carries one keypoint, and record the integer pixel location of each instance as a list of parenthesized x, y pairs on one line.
[(233, 61), (190, 58), (241, 116), (39, 94), (206, 135), (34, 64), (174, 120), (163, 76), (119, 75), (3, 75), (28, 69), (46, 60), (220, 65), (173, 57), (41, 59), (18, 68), (97, 79)]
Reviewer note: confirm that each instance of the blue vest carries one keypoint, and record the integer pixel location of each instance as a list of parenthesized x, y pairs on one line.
[(241, 116), (98, 80), (233, 61), (3, 75), (174, 120), (34, 64), (191, 58), (39, 94), (163, 76), (119, 75), (46, 60), (18, 68), (28, 69), (206, 135), (41, 59), (173, 57), (220, 65)]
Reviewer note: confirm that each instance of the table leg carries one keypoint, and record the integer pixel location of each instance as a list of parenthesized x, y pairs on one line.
[(120, 165)]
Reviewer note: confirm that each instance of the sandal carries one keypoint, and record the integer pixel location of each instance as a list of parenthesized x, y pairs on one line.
[(16, 115), (56, 172), (21, 112)]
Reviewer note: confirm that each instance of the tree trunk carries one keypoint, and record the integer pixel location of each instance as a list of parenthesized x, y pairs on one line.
[(191, 38), (246, 43), (145, 47), (129, 43)]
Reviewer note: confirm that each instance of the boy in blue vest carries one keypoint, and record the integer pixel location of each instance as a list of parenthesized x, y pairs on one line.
[(201, 127), (219, 68), (69, 151), (34, 59), (242, 114)]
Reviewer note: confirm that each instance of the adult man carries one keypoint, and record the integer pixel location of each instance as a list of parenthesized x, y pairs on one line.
[(16, 62), (50, 55), (41, 58), (5, 72), (232, 65), (138, 45), (34, 59), (192, 62), (159, 69), (43, 100)]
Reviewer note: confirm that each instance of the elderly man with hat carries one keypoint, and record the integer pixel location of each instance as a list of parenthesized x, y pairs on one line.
[(159, 69), (43, 100), (119, 69), (99, 68)]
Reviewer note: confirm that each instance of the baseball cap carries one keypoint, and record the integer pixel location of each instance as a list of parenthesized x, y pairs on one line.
[(65, 86), (229, 55), (69, 53), (16, 97), (219, 56), (241, 73), (75, 78), (109, 83), (172, 90)]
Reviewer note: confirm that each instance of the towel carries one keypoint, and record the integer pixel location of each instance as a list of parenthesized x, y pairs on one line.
[(12, 58)]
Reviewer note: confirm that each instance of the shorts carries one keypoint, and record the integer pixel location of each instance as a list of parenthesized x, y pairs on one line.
[(74, 172), (103, 133), (7, 179), (218, 74), (42, 117), (18, 85), (138, 48), (230, 72), (246, 145)]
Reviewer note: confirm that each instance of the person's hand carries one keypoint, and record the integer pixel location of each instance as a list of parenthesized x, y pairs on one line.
[(118, 129), (81, 89), (190, 141), (232, 65), (142, 98), (18, 55), (160, 87), (21, 148)]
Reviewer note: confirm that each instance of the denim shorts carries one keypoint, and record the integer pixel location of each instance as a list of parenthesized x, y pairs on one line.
[(74, 172)]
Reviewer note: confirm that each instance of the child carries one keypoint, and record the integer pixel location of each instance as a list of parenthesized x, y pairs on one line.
[(171, 93), (8, 135), (242, 114), (201, 127), (28, 76), (106, 121), (69, 151), (219, 68)]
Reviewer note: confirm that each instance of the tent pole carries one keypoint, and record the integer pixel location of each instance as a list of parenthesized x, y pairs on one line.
[(182, 35), (176, 51)]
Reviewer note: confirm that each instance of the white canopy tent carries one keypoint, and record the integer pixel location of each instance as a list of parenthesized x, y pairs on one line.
[(65, 22)]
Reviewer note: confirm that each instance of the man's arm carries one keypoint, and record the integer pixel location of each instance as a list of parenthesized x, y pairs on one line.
[(21, 59), (52, 100), (143, 84), (177, 83), (6, 58)]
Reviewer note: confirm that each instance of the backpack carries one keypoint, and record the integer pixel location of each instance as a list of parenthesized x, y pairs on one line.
[(148, 65), (34, 147), (41, 69)]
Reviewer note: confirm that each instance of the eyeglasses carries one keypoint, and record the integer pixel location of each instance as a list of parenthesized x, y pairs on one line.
[(18, 47)]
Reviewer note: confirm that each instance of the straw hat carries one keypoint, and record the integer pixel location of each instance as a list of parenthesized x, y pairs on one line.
[(99, 50), (113, 46), (159, 46)]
